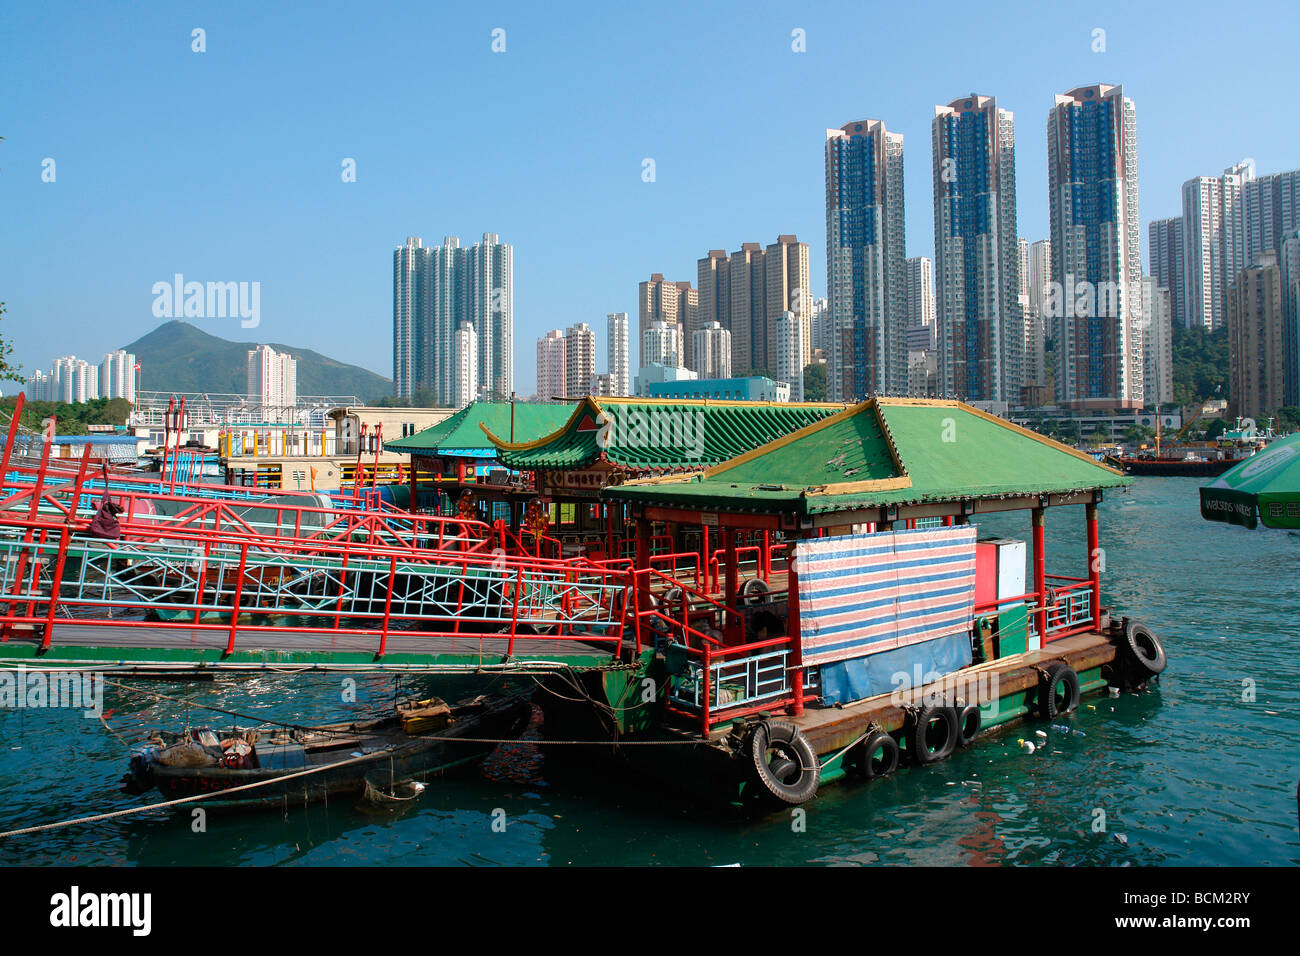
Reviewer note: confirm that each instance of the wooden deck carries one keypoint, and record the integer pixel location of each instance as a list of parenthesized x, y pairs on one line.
[(831, 728)]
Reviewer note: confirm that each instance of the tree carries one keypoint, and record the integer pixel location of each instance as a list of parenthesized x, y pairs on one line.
[(8, 373), (814, 382)]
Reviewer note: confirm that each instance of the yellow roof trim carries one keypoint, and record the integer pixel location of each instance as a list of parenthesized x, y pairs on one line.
[(502, 445), (812, 429), (860, 487)]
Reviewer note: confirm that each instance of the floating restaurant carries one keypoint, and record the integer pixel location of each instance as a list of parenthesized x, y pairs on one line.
[(791, 592)]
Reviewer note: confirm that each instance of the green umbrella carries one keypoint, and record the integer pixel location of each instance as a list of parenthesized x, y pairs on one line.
[(1267, 483)]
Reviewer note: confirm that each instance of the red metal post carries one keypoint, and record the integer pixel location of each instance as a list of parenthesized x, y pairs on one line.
[(13, 433), (792, 629), (55, 581), (1094, 562), (731, 589), (388, 603), (707, 577), (642, 562), (1040, 572), (514, 614), (203, 581), (239, 592), (706, 678)]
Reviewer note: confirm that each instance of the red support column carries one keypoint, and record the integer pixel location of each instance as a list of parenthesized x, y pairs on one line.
[(1094, 563), (732, 625), (704, 579), (792, 630), (1040, 572), (643, 562)]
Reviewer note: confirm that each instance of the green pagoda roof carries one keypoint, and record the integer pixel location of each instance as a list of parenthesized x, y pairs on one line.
[(885, 451), (462, 436), (658, 435)]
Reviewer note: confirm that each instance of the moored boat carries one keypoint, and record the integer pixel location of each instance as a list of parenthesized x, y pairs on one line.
[(418, 740)]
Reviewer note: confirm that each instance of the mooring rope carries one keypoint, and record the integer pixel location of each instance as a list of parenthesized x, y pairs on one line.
[(179, 800)]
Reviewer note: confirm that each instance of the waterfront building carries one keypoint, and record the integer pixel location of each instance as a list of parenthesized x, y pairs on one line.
[(661, 344), (579, 359), (272, 381), (1168, 267), (751, 388), (981, 320), (117, 375), (465, 383), (676, 304), (552, 367), (1158, 343), (617, 354), (435, 292), (1095, 308), (656, 373), (712, 351), (1256, 358), (865, 261)]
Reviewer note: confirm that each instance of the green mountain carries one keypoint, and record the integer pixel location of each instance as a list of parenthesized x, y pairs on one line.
[(179, 357)]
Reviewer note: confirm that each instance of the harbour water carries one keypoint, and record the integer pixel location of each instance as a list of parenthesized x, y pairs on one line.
[(1199, 770)]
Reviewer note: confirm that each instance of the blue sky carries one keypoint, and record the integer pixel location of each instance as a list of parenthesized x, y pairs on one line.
[(225, 165)]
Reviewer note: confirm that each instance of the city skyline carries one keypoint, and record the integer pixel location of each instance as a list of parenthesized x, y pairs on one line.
[(272, 181)]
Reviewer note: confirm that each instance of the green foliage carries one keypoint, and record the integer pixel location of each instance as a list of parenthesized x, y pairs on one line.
[(72, 418), (8, 373), (1200, 364), (814, 382)]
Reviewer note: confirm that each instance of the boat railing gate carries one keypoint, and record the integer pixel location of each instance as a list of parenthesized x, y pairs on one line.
[(1067, 607), (206, 580)]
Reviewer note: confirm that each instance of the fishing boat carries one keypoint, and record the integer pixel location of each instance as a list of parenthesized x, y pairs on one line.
[(418, 740)]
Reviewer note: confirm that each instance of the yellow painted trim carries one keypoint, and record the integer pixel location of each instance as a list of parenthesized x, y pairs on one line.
[(1028, 433), (807, 430), (860, 487), (717, 402), (585, 403), (987, 416), (677, 477)]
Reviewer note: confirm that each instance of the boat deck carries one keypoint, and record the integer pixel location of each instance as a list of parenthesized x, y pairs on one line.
[(830, 728), (143, 645)]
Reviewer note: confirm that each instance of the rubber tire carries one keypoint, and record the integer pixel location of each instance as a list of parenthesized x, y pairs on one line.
[(1048, 707), (1144, 650), (794, 753), (965, 715), (918, 732), (859, 760), (754, 591)]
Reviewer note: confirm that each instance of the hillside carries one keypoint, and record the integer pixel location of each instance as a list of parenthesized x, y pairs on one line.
[(179, 357)]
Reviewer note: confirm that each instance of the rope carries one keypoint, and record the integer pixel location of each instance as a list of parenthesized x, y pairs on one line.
[(221, 710), (172, 803), (871, 729)]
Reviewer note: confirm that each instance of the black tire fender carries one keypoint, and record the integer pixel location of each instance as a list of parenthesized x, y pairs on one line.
[(969, 720), (1058, 691), (920, 733), (784, 762), (861, 760), (754, 591), (1144, 650)]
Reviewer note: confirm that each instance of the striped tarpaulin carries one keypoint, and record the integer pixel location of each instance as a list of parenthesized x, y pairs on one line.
[(865, 593)]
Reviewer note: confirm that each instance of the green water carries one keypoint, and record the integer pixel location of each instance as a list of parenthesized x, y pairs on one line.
[(1186, 773)]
